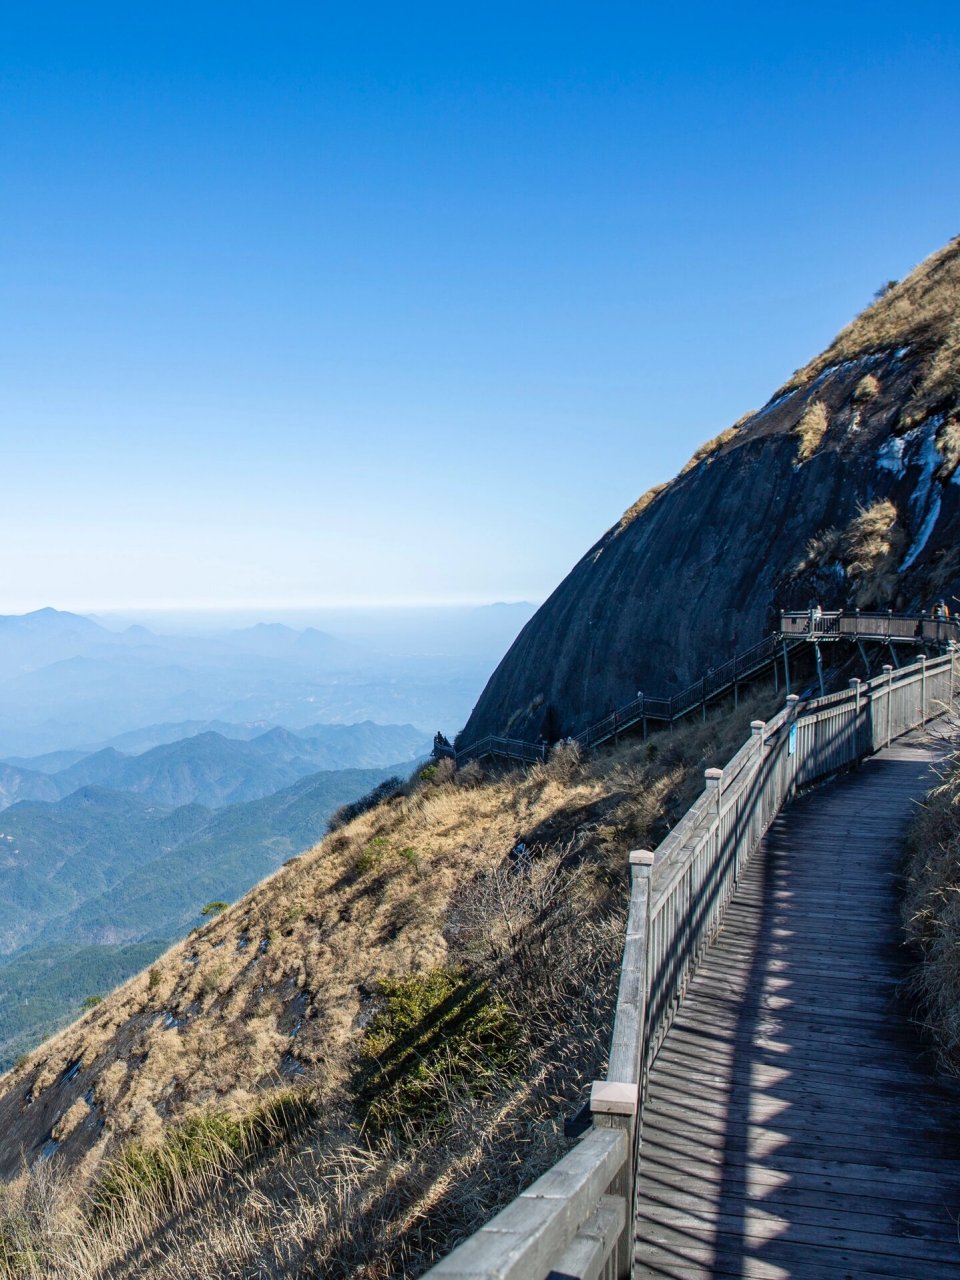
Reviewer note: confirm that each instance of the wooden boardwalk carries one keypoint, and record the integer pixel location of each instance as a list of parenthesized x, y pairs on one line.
[(794, 1126)]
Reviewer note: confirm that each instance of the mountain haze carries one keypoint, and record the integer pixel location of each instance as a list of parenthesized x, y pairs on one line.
[(70, 684)]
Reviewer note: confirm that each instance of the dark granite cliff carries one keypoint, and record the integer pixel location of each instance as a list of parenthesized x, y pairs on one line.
[(843, 488)]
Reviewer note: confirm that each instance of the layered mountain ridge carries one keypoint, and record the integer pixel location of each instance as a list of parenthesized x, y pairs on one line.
[(210, 769)]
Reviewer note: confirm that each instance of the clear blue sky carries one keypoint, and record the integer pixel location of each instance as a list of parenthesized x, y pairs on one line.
[(320, 302)]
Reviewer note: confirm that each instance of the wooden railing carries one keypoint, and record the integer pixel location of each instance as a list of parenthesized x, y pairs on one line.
[(920, 627), (576, 1221), (795, 629)]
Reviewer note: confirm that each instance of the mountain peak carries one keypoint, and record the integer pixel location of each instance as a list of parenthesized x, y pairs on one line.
[(842, 488)]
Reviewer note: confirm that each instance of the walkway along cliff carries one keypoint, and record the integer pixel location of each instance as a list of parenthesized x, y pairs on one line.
[(579, 1219), (803, 634)]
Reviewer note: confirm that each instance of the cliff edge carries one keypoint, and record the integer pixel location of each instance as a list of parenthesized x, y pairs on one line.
[(842, 488)]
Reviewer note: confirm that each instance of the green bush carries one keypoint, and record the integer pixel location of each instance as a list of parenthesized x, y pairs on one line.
[(370, 857), (214, 908), (437, 1033), (18, 1251), (199, 1147), (91, 1002)]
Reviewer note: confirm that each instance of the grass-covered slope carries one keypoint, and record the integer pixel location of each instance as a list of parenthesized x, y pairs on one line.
[(931, 911), (46, 987), (359, 1061), (90, 886)]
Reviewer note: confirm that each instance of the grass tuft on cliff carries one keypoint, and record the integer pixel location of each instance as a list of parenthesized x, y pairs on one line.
[(811, 429), (867, 551), (922, 309)]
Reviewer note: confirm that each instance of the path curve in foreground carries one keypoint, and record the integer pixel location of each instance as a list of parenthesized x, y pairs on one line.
[(795, 1127)]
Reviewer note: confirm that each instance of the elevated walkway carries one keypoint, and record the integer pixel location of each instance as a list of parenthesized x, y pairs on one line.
[(768, 1110), (794, 1126), (810, 629)]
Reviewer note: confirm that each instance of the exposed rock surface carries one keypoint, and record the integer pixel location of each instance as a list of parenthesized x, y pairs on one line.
[(842, 488)]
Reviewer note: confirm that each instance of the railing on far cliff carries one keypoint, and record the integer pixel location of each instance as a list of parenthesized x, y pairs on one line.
[(809, 625), (576, 1221)]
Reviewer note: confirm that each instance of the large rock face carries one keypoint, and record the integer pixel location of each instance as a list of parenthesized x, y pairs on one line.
[(843, 489)]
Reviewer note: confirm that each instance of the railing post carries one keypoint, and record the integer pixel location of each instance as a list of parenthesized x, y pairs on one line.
[(616, 1105), (888, 672), (615, 1102), (923, 688), (790, 768), (713, 780), (858, 748)]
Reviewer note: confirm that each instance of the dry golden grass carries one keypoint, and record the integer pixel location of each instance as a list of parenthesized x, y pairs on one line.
[(712, 447), (640, 506), (868, 388), (941, 377), (811, 429), (931, 912), (922, 310), (422, 880), (948, 445), (870, 549)]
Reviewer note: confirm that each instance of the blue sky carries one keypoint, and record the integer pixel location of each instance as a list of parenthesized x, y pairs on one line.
[(408, 303)]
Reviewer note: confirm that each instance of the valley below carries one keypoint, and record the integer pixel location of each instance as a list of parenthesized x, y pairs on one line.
[(146, 776)]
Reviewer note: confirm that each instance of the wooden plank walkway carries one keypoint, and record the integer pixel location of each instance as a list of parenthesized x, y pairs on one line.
[(794, 1125)]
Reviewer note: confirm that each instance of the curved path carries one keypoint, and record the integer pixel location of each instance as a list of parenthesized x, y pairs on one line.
[(794, 1126)]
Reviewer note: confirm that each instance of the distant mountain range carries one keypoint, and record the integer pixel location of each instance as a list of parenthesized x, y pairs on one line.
[(106, 867), (67, 682), (94, 886), (30, 641), (211, 769)]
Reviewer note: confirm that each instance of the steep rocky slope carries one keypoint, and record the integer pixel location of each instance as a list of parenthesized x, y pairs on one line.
[(843, 488)]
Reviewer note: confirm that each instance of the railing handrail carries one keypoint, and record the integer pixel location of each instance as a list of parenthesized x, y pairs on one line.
[(577, 1219)]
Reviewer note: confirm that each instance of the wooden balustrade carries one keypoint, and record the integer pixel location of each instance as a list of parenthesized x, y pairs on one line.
[(576, 1221), (795, 628)]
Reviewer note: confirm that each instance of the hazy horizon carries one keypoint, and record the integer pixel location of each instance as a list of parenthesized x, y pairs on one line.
[(383, 305)]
